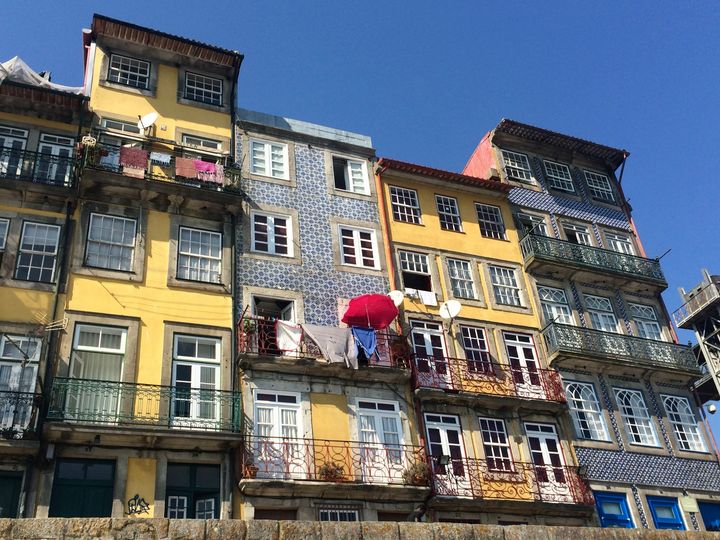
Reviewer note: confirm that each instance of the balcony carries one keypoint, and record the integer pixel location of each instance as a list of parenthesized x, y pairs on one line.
[(542, 253), (162, 161), (18, 414), (506, 480), (38, 168), (566, 342), (697, 304), (455, 375), (123, 405)]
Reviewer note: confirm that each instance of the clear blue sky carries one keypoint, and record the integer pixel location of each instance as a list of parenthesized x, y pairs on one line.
[(427, 79)]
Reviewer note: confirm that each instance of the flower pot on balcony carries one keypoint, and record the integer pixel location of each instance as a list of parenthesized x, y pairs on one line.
[(251, 471), (331, 472), (416, 475)]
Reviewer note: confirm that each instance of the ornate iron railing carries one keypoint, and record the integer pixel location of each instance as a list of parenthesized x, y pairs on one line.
[(591, 258), (107, 157), (258, 336), (563, 338), (281, 458), (18, 414), (487, 377), (509, 480), (103, 402), (703, 298), (37, 167)]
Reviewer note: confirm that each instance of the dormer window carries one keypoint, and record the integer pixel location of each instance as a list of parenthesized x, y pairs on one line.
[(129, 71), (203, 89)]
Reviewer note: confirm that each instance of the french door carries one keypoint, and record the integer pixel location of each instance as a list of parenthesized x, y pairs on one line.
[(17, 382), (447, 454), (428, 341), (195, 404), (53, 161), (278, 450), (12, 144), (381, 437), (524, 364), (548, 461)]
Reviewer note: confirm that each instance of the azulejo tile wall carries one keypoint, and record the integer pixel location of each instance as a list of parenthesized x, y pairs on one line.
[(316, 277)]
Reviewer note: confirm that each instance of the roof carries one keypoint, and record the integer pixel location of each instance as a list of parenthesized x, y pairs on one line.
[(614, 156), (413, 168), (106, 26), (17, 71)]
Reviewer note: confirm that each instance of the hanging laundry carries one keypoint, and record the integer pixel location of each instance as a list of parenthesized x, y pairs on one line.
[(204, 166), (428, 298), (365, 339), (185, 167), (131, 156), (133, 172), (288, 336), (160, 158), (337, 345), (219, 177)]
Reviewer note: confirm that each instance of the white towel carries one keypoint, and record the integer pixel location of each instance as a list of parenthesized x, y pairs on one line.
[(289, 336), (428, 298), (160, 158)]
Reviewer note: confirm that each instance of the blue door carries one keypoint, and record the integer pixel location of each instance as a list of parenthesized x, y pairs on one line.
[(613, 510), (710, 513), (666, 513)]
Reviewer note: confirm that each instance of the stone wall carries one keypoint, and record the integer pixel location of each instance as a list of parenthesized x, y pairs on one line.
[(190, 529)]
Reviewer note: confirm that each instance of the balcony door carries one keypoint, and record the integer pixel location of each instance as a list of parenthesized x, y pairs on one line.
[(447, 455), (12, 144), (18, 371), (195, 380), (524, 365), (54, 159), (277, 450), (430, 355), (381, 437), (548, 461)]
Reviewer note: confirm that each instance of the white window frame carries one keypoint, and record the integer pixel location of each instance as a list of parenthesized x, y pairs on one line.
[(348, 171), (328, 513), (539, 226), (200, 257), (476, 348), (501, 451), (200, 88), (413, 264), (601, 313), (35, 253), (357, 247), (271, 233), (216, 342), (4, 227), (22, 371), (447, 208), (467, 282), (490, 221), (201, 143), (559, 177), (116, 74), (637, 417), (517, 166), (646, 321), (554, 305), (131, 246), (599, 186), (685, 426), (100, 330), (585, 408), (620, 243), (405, 205), (270, 150), (177, 511), (120, 126), (499, 276), (582, 235), (277, 406)]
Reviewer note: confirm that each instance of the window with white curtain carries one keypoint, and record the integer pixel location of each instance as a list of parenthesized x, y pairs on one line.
[(601, 313), (195, 379), (379, 424), (685, 426), (585, 411), (199, 255), (110, 242), (555, 305), (19, 356), (636, 417), (277, 414), (269, 159)]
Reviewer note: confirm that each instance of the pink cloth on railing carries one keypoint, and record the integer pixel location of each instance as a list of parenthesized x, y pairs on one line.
[(185, 167), (133, 157), (210, 172), (204, 166), (133, 172)]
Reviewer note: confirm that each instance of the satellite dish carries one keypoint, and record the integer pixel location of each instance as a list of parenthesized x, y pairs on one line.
[(450, 309), (147, 121), (396, 297)]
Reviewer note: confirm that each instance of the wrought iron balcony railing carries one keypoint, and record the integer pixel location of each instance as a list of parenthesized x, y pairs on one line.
[(544, 248), (566, 339), (492, 479), (157, 161), (85, 401), (18, 414), (487, 377), (37, 167), (258, 336), (281, 458), (697, 303)]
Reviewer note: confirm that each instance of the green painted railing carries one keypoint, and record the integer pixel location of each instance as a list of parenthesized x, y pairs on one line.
[(104, 402), (563, 338), (543, 248)]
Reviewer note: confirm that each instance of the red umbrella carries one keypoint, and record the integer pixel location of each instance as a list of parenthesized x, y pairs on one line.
[(370, 311)]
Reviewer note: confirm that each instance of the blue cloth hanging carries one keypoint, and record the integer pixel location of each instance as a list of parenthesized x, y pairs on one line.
[(365, 339)]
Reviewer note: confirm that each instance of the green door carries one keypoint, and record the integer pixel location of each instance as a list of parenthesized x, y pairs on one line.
[(82, 488), (10, 485)]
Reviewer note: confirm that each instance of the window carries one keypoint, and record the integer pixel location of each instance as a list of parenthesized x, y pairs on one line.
[(110, 242), (358, 248), (199, 255), (555, 306), (449, 213), (577, 234), (119, 125), (444, 438), (599, 186), (405, 206), (4, 225), (203, 89), (585, 411), (646, 321), (129, 71), (271, 234), (193, 491), (337, 514), (517, 166), (350, 175), (685, 427), (638, 424), (201, 143), (490, 221), (601, 313), (82, 488), (415, 269), (19, 356), (620, 243), (530, 224), (53, 163), (379, 424), (505, 286), (665, 513), (461, 279), (195, 379), (12, 143), (559, 176), (37, 253), (613, 510), (496, 445), (269, 159), (523, 361), (476, 349), (710, 512)]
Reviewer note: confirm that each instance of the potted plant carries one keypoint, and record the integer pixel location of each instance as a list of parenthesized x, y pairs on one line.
[(416, 475), (251, 469), (331, 472)]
